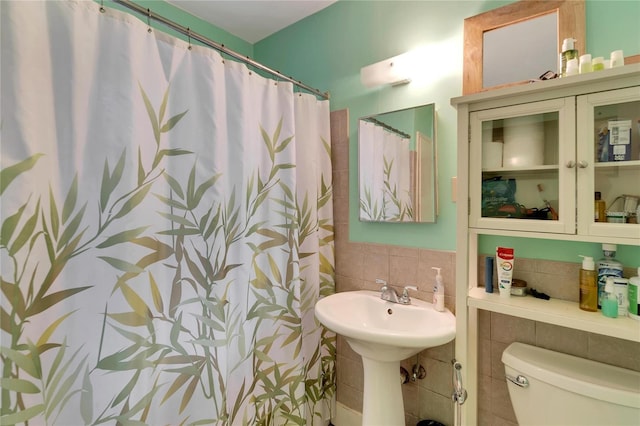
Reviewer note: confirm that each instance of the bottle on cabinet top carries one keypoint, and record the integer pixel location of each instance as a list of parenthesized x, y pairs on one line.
[(569, 52)]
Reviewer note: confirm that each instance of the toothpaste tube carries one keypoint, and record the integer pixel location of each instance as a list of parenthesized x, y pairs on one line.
[(504, 266)]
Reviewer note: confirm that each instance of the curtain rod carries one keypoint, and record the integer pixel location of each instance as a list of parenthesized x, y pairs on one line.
[(387, 127), (217, 46)]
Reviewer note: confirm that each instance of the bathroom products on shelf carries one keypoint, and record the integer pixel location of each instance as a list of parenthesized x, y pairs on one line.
[(600, 210), (488, 274), (585, 63), (568, 52), (518, 287), (634, 296), (572, 67), (438, 291), (539, 294), (504, 265), (619, 140), (597, 64), (588, 285), (621, 292), (608, 266), (617, 58), (609, 300)]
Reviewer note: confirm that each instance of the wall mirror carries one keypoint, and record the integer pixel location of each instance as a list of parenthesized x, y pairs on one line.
[(518, 42), (397, 166)]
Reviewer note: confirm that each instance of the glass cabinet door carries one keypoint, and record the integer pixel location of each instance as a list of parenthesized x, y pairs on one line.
[(522, 168), (609, 163)]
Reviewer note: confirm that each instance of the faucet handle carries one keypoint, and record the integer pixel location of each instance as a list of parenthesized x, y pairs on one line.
[(383, 282), (405, 294)]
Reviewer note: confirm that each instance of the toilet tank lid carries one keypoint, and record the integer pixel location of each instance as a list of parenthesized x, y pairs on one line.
[(582, 376)]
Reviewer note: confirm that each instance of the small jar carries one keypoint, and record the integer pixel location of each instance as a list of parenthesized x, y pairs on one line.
[(585, 63), (518, 287), (597, 64)]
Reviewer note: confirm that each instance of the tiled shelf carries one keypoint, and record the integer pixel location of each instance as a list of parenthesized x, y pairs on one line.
[(557, 312)]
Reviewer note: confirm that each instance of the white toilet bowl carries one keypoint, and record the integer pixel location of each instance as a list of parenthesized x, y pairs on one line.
[(550, 388)]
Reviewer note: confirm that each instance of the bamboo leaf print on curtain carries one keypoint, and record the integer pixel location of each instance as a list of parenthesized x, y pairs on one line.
[(385, 188), (166, 230)]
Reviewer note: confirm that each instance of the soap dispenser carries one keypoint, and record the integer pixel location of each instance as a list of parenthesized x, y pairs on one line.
[(568, 53), (588, 285), (438, 291)]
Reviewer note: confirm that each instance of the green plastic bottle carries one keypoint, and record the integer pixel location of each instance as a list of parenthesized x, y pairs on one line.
[(610, 301)]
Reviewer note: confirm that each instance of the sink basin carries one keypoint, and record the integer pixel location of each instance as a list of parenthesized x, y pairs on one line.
[(383, 330), (383, 334)]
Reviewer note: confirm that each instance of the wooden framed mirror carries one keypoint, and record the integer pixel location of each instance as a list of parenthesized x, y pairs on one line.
[(569, 17)]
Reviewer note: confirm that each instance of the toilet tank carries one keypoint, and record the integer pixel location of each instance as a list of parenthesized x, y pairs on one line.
[(566, 390)]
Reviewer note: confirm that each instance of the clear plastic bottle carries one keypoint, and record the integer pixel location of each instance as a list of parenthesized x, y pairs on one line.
[(438, 291), (600, 213), (585, 63), (588, 285), (568, 52), (634, 296), (608, 266), (609, 300)]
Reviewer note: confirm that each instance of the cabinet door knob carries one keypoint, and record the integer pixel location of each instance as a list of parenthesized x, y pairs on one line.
[(570, 164), (582, 164)]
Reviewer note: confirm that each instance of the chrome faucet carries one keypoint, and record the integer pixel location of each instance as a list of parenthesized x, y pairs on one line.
[(389, 294), (405, 299)]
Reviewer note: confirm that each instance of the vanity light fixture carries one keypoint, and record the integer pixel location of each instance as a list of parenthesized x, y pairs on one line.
[(394, 71)]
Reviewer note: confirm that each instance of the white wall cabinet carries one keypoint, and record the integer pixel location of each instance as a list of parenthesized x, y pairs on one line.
[(612, 110), (530, 160), (536, 166)]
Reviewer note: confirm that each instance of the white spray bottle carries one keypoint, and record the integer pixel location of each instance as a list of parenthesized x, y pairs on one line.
[(438, 291)]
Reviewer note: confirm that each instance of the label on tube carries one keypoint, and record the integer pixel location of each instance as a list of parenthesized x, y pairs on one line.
[(504, 266)]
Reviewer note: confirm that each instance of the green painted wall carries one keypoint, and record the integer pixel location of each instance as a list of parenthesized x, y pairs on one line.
[(327, 50)]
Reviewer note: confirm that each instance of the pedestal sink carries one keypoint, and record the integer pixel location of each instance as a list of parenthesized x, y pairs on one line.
[(383, 334)]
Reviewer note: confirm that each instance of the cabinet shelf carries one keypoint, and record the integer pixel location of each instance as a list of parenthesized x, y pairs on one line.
[(612, 164), (556, 312), (545, 235), (552, 167)]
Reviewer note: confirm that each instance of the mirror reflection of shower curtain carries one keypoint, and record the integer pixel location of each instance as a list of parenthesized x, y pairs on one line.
[(166, 230), (385, 171)]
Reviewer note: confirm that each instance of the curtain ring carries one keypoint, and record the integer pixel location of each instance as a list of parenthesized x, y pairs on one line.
[(102, 9), (189, 37), (149, 30)]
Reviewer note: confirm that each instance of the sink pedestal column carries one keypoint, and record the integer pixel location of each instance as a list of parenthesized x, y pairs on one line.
[(382, 399)]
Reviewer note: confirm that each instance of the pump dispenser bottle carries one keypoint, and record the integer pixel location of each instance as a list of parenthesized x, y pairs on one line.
[(438, 291), (588, 285), (568, 52), (608, 266)]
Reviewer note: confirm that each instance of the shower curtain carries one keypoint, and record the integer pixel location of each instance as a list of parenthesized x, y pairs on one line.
[(385, 175), (166, 230)]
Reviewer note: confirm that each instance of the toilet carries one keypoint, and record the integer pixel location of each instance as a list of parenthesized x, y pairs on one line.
[(550, 388)]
